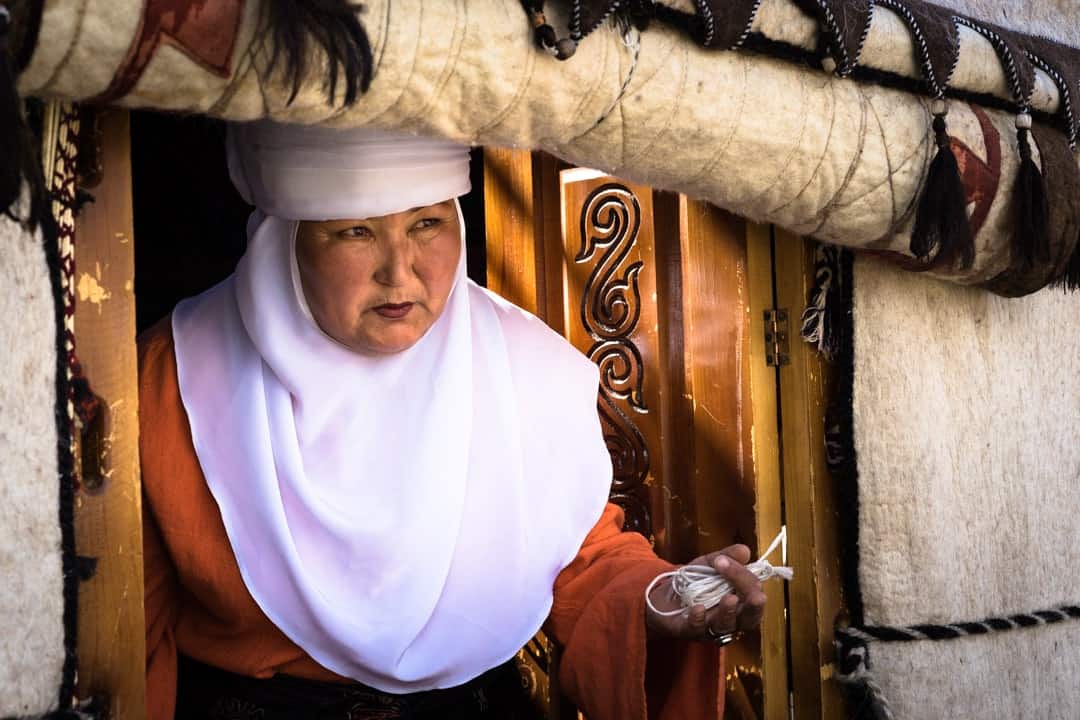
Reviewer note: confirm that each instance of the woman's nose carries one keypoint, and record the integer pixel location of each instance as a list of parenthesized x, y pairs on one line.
[(396, 264)]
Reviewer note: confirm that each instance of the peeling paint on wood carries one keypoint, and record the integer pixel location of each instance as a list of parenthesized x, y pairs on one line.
[(90, 289)]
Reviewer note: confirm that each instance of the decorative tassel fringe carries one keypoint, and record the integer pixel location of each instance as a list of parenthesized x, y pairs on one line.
[(18, 156), (1032, 241), (335, 27), (941, 221), (818, 326)]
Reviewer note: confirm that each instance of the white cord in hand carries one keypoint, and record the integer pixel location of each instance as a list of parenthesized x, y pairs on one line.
[(703, 585)]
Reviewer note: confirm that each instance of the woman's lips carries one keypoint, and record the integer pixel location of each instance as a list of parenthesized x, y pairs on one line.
[(394, 312)]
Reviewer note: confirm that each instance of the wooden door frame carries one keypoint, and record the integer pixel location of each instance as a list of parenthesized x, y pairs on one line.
[(108, 501), (801, 488)]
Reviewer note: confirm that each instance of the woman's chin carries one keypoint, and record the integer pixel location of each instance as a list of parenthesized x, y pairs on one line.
[(389, 342)]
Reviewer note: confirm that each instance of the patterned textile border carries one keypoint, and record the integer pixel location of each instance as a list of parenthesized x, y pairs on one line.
[(907, 39)]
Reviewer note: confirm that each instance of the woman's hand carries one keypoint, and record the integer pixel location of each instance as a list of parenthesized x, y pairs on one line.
[(740, 610)]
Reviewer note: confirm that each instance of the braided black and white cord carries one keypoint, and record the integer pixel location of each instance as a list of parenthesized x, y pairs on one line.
[(852, 652), (844, 64), (855, 673), (632, 41), (577, 34), (1066, 96), (708, 22), (937, 85), (816, 326), (862, 39), (749, 26), (1003, 52), (913, 633)]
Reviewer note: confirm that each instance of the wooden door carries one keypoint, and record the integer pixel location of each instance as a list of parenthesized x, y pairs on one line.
[(668, 296)]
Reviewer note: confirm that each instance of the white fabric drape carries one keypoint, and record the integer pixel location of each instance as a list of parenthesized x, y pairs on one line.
[(320, 173), (401, 518)]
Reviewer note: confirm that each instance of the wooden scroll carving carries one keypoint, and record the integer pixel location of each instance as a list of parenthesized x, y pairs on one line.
[(610, 312)]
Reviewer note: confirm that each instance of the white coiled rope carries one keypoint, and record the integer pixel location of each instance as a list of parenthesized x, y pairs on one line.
[(703, 585)]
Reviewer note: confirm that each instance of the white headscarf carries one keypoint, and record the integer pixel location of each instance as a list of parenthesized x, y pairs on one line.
[(401, 518)]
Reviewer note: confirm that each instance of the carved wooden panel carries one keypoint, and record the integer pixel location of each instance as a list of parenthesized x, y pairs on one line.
[(607, 278)]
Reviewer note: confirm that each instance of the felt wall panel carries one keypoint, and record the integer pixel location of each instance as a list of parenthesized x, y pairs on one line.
[(966, 408), (32, 600)]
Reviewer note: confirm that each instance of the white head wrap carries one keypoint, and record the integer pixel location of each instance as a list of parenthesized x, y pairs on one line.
[(401, 518), (317, 173)]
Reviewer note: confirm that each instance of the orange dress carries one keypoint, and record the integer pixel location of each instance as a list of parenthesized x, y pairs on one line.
[(197, 603)]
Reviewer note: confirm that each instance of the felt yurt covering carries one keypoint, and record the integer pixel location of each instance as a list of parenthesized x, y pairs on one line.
[(38, 564), (936, 137), (32, 603), (967, 456)]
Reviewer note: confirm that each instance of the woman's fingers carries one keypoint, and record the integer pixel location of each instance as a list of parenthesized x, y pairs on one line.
[(696, 622), (743, 582), (739, 553), (724, 618), (752, 611)]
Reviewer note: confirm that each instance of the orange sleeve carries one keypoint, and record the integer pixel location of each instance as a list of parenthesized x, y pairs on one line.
[(160, 582), (609, 667)]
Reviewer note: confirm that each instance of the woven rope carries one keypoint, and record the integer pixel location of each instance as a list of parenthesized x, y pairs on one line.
[(816, 328), (852, 653), (911, 633)]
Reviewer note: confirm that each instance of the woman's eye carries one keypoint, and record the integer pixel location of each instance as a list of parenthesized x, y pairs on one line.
[(428, 223), (357, 232)]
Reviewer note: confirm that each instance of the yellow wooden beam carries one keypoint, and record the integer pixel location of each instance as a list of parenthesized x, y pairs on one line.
[(108, 507)]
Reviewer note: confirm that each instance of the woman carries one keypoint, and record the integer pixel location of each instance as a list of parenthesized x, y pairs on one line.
[(369, 481)]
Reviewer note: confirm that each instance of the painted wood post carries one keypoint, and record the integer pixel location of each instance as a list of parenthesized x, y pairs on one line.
[(108, 507), (814, 594)]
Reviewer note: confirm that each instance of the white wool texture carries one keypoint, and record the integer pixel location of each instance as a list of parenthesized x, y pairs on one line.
[(967, 433), (767, 139), (32, 600)]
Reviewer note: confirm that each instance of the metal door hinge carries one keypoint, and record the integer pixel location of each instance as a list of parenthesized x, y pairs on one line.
[(777, 351)]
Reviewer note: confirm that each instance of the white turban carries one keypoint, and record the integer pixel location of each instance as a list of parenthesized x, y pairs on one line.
[(317, 173), (402, 518)]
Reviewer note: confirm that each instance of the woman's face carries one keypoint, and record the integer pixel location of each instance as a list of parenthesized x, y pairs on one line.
[(377, 285)]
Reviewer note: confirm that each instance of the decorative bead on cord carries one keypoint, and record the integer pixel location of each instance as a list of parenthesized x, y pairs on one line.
[(703, 585), (544, 34)]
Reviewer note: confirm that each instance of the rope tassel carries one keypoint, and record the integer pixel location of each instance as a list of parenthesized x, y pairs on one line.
[(336, 31), (1032, 241), (941, 221), (703, 585)]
